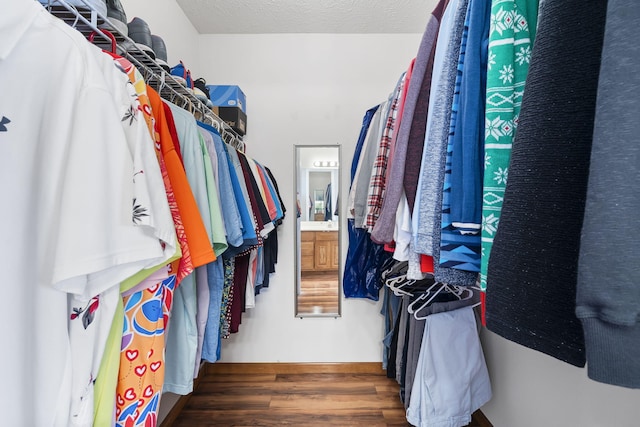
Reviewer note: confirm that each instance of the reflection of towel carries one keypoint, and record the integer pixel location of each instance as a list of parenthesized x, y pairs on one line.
[(531, 281), (327, 203)]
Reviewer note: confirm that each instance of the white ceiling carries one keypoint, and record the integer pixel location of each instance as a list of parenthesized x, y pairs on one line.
[(308, 16)]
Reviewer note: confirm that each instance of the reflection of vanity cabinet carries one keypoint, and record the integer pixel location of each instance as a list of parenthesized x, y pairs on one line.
[(320, 251)]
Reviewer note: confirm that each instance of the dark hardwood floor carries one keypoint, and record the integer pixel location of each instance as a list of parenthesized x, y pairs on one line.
[(253, 395)]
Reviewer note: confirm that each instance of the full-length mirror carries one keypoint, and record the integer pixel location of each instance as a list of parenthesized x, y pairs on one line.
[(317, 233)]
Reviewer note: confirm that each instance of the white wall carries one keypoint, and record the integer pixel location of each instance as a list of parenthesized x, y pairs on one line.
[(167, 20), (305, 89), (531, 389)]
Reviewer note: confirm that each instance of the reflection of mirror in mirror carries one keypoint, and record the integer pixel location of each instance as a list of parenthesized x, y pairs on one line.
[(317, 231)]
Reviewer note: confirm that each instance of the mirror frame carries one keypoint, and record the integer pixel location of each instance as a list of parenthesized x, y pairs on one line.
[(298, 233)]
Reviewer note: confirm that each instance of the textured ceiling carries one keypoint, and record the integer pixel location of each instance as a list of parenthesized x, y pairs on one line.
[(307, 16)]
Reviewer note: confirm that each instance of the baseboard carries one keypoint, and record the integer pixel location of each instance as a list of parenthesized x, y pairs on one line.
[(172, 416), (481, 419), (295, 368)]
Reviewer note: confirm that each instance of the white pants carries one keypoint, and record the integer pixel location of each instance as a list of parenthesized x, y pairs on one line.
[(451, 379)]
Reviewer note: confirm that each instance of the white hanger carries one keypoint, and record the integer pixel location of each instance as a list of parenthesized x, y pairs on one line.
[(458, 291), (411, 308), (397, 283)]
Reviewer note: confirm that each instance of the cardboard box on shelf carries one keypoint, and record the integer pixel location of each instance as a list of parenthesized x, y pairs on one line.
[(234, 117), (228, 96)]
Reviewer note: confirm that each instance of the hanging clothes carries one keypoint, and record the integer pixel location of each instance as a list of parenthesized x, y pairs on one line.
[(509, 49), (531, 279), (363, 255), (421, 92), (117, 268), (378, 180), (462, 193), (361, 181), (444, 394), (185, 335), (426, 212), (249, 235), (79, 259), (157, 277), (609, 313), (417, 91)]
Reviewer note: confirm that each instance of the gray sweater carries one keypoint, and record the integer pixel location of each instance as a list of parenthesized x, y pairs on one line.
[(383, 230), (427, 211), (608, 291)]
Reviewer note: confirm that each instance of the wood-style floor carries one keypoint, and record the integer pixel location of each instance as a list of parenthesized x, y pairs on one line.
[(254, 395), (319, 293)]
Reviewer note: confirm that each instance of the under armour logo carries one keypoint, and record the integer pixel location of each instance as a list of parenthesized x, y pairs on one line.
[(4, 122)]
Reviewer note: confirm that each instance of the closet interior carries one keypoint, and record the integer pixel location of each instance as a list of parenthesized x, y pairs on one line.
[(168, 227), (480, 202), (91, 23)]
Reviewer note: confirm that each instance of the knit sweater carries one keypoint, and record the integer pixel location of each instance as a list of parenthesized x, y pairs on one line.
[(509, 57), (532, 274)]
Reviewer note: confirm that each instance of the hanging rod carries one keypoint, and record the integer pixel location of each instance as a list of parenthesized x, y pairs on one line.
[(89, 21)]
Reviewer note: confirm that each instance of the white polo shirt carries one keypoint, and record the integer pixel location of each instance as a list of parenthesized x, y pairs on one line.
[(66, 217)]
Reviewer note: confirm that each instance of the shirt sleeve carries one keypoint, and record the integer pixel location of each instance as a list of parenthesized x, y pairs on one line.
[(97, 241)]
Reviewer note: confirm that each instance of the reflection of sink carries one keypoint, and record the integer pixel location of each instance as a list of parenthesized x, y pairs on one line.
[(318, 225)]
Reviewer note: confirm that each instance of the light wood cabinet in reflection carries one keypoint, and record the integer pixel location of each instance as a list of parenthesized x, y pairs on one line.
[(320, 251)]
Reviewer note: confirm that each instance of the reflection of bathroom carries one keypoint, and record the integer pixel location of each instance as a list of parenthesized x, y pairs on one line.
[(320, 189), (319, 196), (318, 231), (319, 245)]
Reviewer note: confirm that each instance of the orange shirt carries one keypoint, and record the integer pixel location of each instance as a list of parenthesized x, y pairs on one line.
[(182, 267), (271, 204), (197, 240)]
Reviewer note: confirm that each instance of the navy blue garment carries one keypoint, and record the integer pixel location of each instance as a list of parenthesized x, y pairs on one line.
[(363, 265), (366, 121), (468, 141), (364, 257), (460, 244)]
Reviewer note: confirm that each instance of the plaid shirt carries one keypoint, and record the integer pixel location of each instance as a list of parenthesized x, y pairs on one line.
[(379, 171)]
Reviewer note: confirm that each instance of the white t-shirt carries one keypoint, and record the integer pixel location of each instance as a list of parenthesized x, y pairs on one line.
[(66, 181), (150, 212), (402, 230)]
